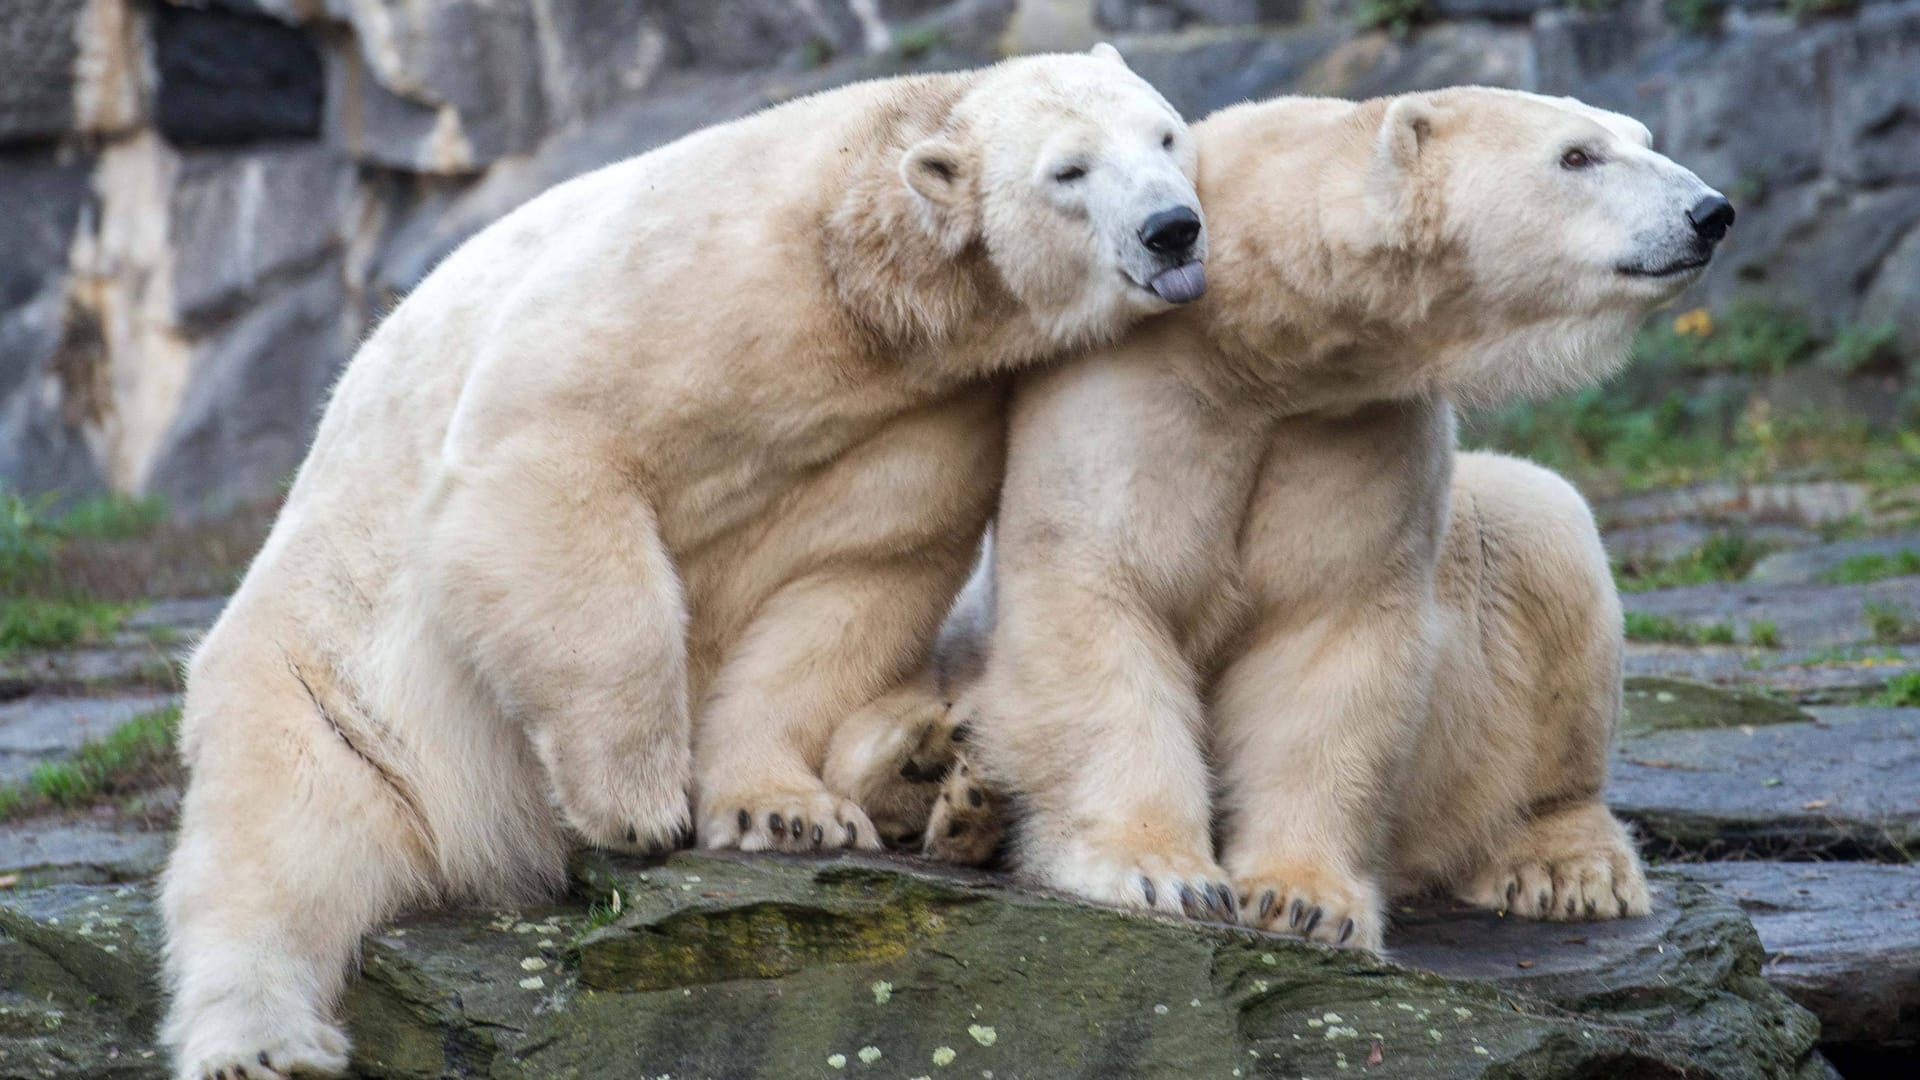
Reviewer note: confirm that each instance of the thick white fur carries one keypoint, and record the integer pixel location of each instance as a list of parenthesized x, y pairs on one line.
[(703, 440), (1234, 551)]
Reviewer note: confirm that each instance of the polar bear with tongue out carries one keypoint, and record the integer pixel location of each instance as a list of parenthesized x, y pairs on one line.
[(638, 491)]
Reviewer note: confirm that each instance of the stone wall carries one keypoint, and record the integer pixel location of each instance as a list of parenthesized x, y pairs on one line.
[(206, 204)]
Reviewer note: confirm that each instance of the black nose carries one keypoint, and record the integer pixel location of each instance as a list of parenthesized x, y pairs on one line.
[(1170, 232), (1711, 217)]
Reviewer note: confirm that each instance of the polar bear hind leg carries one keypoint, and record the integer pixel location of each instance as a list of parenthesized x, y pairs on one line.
[(1505, 807), (291, 846), (575, 618)]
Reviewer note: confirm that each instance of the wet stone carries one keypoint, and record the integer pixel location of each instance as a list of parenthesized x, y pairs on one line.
[(1844, 784), (1844, 940)]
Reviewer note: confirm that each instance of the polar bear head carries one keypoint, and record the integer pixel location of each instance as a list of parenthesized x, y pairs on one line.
[(1073, 178), (1475, 242), (1563, 225)]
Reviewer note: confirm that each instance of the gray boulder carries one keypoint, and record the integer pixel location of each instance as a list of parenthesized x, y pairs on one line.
[(780, 968)]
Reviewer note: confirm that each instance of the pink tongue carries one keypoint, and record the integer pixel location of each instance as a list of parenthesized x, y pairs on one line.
[(1182, 284)]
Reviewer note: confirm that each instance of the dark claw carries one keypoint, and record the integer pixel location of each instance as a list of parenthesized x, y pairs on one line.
[(1546, 902), (1295, 913), (240, 1072), (960, 734), (1188, 902), (746, 822), (1228, 906), (799, 827), (776, 825), (975, 798), (1592, 909), (633, 835), (1346, 930), (1146, 887), (853, 834), (264, 1063), (1266, 904), (1313, 920), (819, 836), (1513, 893)]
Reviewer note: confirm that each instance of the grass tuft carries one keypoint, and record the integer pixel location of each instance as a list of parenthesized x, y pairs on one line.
[(1722, 557), (1890, 625), (1902, 692), (1866, 569), (134, 756), (31, 623)]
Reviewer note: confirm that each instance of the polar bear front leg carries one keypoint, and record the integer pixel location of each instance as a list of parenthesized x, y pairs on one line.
[(820, 648), (1088, 717), (1313, 728), (547, 566)]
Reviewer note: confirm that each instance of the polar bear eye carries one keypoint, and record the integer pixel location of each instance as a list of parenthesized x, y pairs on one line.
[(1575, 158), (1069, 174), (1166, 141)]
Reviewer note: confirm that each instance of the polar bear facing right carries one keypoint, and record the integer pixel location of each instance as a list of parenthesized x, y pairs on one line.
[(1234, 553)]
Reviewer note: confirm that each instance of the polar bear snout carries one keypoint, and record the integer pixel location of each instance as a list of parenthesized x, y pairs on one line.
[(1171, 232), (1711, 217)]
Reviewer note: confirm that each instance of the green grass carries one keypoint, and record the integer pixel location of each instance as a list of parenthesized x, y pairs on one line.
[(129, 758), (1697, 401), (1865, 569), (1902, 691), (1640, 626), (1396, 17), (1723, 557), (27, 540), (599, 914), (32, 623), (1890, 625), (111, 517)]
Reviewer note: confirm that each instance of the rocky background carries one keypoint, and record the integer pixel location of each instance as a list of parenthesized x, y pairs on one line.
[(203, 206)]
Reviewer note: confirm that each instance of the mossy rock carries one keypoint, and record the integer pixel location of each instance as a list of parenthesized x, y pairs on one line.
[(741, 967), (1659, 704)]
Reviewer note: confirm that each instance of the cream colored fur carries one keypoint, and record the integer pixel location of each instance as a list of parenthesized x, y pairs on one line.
[(641, 488), (1240, 586)]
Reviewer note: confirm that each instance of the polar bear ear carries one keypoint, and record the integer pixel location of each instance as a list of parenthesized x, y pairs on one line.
[(1405, 137), (1106, 51), (939, 173), (1405, 132)]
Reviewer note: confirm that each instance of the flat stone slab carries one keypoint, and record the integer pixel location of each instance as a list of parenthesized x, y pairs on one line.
[(104, 670), (1804, 503), (1844, 784), (765, 967), (1842, 938), (39, 729), (1805, 616), (1807, 676), (47, 851), (1810, 566)]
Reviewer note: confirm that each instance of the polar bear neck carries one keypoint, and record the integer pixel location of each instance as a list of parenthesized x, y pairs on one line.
[(949, 315)]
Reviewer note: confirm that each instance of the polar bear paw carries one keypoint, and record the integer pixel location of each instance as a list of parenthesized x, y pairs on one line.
[(969, 820), (1576, 885), (1313, 902), (653, 823), (1173, 883), (1576, 864), (321, 1051), (775, 819)]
